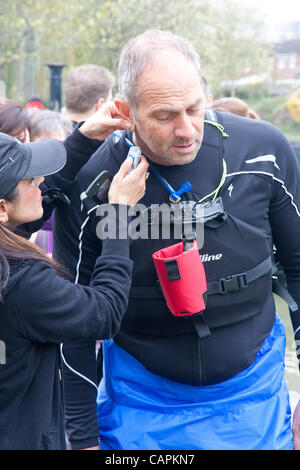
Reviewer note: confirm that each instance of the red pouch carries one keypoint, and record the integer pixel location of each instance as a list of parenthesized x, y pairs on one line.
[(182, 278)]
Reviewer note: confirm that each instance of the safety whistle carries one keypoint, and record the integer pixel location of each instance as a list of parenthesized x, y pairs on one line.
[(135, 154)]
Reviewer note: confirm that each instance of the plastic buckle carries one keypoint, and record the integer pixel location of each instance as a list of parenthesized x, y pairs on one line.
[(233, 283)]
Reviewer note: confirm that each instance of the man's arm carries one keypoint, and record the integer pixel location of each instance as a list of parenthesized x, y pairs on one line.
[(80, 389), (80, 145), (79, 149), (84, 141), (285, 223)]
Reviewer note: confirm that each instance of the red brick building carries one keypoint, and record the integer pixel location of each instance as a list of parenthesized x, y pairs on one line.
[(287, 62), (286, 56)]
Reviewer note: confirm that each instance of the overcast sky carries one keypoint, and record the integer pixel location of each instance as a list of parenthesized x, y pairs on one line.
[(282, 11), (277, 11)]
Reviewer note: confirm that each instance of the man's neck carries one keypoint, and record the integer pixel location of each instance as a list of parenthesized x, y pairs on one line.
[(78, 117), (146, 150)]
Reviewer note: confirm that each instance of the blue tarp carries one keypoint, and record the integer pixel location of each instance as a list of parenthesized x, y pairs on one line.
[(138, 410)]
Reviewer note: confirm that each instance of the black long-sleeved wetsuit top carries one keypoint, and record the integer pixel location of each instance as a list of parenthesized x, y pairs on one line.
[(261, 191)]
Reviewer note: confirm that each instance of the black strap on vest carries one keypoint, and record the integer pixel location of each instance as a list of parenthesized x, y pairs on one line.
[(282, 292), (239, 281), (201, 326), (222, 286)]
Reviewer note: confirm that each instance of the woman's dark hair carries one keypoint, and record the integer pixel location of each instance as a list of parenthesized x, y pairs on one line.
[(15, 246), (13, 120)]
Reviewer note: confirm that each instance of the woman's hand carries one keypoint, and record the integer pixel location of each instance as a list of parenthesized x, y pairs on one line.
[(103, 122), (127, 188)]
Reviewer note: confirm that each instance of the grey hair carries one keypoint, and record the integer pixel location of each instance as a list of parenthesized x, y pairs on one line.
[(140, 51), (46, 123)]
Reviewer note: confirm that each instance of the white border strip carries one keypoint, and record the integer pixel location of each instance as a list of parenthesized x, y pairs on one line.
[(274, 178), (80, 243), (76, 282), (75, 371), (263, 158)]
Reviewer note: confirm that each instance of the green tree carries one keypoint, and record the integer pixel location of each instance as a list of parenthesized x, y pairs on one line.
[(228, 36), (237, 43)]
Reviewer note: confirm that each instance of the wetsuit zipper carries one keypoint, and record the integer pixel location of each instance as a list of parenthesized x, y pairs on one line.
[(202, 362), (198, 363)]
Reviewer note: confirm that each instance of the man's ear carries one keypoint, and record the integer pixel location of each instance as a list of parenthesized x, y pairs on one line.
[(124, 110), (99, 103), (3, 211)]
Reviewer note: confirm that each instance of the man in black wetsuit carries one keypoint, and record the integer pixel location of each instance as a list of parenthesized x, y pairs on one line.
[(167, 384)]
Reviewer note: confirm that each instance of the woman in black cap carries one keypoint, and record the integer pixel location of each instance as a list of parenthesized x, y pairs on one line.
[(39, 307)]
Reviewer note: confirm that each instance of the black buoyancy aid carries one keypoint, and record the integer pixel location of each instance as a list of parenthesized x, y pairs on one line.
[(238, 263), (240, 274)]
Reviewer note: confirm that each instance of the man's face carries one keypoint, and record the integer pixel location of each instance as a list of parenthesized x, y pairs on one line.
[(169, 118)]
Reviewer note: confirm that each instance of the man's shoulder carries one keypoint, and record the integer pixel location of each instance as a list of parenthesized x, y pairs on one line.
[(248, 127), (253, 139), (108, 157)]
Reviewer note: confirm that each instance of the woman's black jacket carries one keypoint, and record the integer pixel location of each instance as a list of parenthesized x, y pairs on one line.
[(41, 310)]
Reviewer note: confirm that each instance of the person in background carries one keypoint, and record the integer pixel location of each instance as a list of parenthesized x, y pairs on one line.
[(87, 88), (14, 121), (33, 106), (207, 92), (235, 106), (48, 125)]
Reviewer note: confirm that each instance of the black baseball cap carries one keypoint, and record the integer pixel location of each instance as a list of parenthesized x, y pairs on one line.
[(30, 160)]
